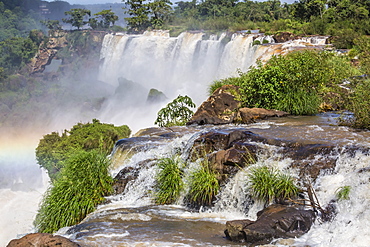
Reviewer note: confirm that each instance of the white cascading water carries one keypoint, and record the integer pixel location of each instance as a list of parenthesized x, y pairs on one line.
[(186, 64), (136, 205)]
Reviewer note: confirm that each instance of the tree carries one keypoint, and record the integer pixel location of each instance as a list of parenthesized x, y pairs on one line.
[(107, 17), (160, 11), (52, 24), (77, 17), (143, 15), (176, 113), (139, 15)]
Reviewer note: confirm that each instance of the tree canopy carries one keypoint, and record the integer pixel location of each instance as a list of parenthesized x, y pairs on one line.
[(77, 17)]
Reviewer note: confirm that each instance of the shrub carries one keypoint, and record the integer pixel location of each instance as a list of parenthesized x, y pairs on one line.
[(359, 105), (268, 185), (293, 83), (82, 184), (176, 113), (204, 185), (54, 149), (169, 180)]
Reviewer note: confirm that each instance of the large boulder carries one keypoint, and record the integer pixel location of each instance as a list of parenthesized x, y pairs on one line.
[(250, 115), (222, 107), (42, 240), (275, 221)]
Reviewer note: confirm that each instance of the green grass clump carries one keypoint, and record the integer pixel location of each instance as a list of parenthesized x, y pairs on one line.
[(204, 185), (169, 180), (342, 193), (268, 185), (81, 186)]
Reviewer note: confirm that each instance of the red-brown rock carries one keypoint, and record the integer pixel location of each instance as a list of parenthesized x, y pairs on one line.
[(42, 240), (250, 115)]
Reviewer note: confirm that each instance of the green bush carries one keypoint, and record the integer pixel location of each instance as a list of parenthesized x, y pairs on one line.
[(293, 83), (81, 186), (54, 149), (176, 113), (169, 180), (204, 185), (268, 185), (359, 105)]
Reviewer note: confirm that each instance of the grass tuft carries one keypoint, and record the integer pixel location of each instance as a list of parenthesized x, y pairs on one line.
[(169, 180), (204, 185), (268, 184), (79, 188), (342, 193)]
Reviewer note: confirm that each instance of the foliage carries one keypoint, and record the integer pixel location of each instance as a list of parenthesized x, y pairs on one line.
[(176, 113), (54, 149), (268, 185), (151, 14), (76, 17), (52, 24), (160, 12), (359, 105), (291, 83), (362, 50), (342, 193), (104, 19), (169, 180), (204, 185), (81, 186), (15, 53)]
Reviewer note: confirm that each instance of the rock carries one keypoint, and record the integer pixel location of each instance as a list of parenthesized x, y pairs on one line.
[(42, 240), (275, 221), (155, 96), (220, 108), (228, 162), (42, 59), (124, 176), (223, 108), (230, 149), (249, 115), (284, 37)]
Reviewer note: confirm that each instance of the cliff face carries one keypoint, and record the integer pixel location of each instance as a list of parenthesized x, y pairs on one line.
[(67, 46)]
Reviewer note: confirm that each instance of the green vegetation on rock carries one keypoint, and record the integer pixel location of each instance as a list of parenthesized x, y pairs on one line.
[(294, 83), (204, 185), (81, 186), (54, 149), (169, 180), (270, 185)]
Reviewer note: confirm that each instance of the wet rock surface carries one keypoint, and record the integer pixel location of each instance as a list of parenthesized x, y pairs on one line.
[(42, 240), (222, 107), (275, 221)]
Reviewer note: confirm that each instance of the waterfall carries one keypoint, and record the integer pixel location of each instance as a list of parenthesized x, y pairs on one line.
[(132, 218), (186, 64)]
